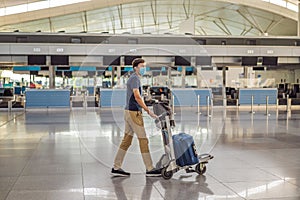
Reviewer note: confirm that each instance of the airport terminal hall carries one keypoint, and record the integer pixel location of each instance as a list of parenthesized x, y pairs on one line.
[(149, 100)]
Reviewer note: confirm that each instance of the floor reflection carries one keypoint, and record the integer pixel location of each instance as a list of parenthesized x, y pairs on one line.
[(256, 156)]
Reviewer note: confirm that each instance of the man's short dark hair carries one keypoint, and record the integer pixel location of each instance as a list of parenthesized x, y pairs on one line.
[(137, 61)]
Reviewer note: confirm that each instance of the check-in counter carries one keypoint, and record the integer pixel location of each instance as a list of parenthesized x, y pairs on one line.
[(259, 96), (47, 98), (182, 97), (112, 98), (189, 97)]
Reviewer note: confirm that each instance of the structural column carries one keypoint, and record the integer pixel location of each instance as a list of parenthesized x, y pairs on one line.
[(170, 75), (183, 76), (51, 77), (245, 72), (51, 73), (119, 75), (224, 86), (199, 77), (298, 24)]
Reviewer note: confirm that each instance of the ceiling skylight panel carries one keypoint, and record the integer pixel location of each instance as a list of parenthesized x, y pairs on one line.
[(22, 8)]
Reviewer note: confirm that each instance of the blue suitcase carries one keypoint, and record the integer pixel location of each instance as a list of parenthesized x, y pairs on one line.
[(185, 151)]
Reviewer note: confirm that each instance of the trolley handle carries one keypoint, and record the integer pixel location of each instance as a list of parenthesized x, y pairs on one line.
[(161, 120), (162, 116)]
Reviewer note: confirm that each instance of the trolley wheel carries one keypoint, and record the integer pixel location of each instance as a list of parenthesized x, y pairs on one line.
[(200, 168), (166, 175)]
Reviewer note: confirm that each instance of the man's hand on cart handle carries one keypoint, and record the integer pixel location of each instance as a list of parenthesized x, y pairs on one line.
[(154, 116)]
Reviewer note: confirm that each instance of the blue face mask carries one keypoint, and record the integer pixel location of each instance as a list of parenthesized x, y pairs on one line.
[(143, 71)]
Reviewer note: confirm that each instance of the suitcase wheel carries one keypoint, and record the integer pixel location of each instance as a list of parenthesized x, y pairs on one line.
[(200, 168), (166, 175)]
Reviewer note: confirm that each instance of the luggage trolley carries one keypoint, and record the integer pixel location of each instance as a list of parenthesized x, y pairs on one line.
[(180, 151)]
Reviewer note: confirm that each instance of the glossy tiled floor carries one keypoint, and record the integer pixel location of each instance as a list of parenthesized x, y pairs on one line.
[(68, 155)]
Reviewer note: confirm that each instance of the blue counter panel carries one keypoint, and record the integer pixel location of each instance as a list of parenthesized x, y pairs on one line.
[(82, 68), (27, 68), (18, 90), (47, 98), (259, 96), (112, 98), (189, 97), (91, 90)]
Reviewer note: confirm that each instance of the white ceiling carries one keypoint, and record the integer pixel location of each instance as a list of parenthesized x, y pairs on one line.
[(217, 17)]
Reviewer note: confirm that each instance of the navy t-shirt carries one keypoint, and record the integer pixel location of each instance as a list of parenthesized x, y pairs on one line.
[(133, 83)]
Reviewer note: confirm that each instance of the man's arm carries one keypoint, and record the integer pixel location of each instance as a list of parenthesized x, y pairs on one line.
[(140, 101)]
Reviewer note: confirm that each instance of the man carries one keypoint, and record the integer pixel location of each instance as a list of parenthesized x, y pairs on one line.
[(134, 123)]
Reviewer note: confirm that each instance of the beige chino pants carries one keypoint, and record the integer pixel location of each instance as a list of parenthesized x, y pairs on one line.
[(134, 124)]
